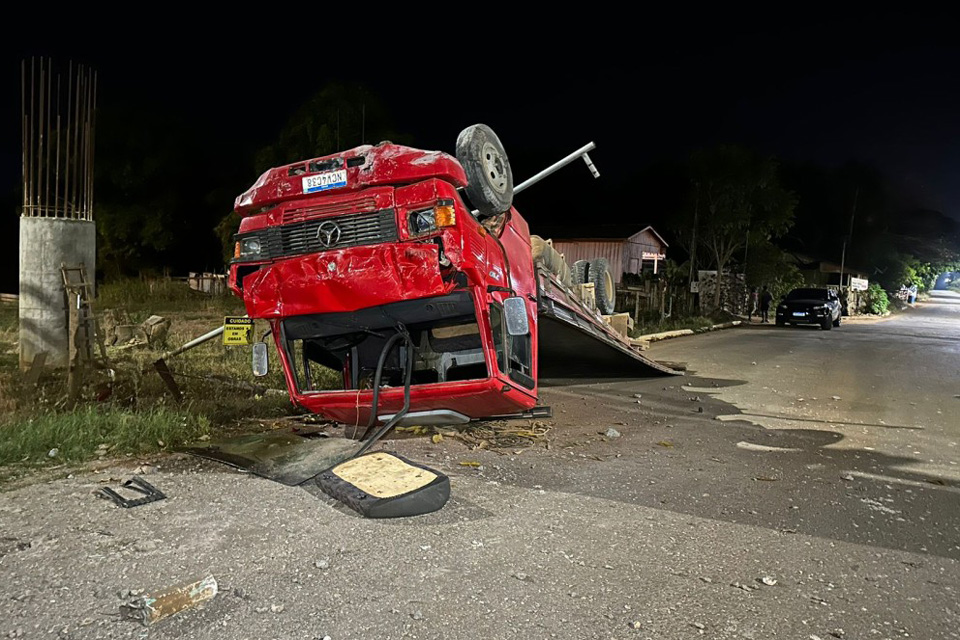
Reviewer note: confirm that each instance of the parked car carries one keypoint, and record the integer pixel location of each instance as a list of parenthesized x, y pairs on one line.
[(810, 306)]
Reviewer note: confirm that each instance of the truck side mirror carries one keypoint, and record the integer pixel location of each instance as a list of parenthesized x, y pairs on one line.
[(261, 363), (515, 309)]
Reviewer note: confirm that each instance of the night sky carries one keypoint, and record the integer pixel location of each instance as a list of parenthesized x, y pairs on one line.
[(646, 86)]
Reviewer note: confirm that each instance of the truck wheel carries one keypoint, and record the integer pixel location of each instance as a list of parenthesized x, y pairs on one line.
[(579, 272), (827, 324), (836, 322), (599, 275), (489, 177)]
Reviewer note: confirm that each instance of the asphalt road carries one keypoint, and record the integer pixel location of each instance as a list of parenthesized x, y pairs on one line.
[(797, 483)]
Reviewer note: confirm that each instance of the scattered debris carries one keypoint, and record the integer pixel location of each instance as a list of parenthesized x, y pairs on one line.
[(156, 328), (665, 443), (744, 587), (612, 433), (768, 580), (766, 478), (321, 564), (834, 397), (137, 484), (751, 446), (277, 608), (848, 477), (53, 453), (635, 624), (151, 608), (416, 615), (470, 463)]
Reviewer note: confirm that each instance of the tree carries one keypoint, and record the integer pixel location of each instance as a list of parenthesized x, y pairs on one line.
[(769, 266), (335, 118), (736, 197)]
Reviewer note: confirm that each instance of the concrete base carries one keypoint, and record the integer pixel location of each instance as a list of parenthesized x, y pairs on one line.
[(45, 243)]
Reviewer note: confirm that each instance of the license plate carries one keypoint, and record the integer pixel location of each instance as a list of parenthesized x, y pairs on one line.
[(325, 180), (799, 313), (237, 331)]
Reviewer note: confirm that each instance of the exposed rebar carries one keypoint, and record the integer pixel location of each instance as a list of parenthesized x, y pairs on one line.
[(58, 140)]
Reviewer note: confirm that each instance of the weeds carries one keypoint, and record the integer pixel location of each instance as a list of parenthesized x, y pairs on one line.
[(130, 410), (89, 430)]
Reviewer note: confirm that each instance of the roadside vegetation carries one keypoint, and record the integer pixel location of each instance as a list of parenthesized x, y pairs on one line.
[(652, 323), (131, 410), (876, 300)]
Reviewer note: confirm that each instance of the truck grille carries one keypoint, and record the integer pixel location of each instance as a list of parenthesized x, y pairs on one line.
[(338, 232)]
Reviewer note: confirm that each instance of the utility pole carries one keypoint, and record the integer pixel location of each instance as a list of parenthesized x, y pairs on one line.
[(693, 248), (849, 237)]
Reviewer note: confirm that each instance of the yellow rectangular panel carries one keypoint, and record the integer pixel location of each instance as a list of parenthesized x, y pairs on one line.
[(382, 475)]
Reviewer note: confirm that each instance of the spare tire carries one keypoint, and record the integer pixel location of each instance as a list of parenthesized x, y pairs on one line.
[(599, 275), (489, 177), (579, 272)]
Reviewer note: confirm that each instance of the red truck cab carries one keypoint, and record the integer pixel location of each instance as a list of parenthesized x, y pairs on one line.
[(370, 264)]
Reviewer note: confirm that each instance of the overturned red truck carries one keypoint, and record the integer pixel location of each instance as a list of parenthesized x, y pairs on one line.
[(407, 280)]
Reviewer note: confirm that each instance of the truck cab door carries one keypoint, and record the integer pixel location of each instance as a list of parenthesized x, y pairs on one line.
[(513, 344)]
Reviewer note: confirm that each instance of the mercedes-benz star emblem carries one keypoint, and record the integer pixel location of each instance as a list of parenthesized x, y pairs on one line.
[(328, 233)]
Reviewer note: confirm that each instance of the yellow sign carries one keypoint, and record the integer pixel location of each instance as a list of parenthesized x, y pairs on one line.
[(237, 331)]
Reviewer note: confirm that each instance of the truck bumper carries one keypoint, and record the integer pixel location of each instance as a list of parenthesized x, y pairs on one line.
[(344, 280)]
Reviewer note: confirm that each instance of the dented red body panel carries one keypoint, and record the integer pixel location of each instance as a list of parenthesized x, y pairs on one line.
[(355, 253), (384, 164)]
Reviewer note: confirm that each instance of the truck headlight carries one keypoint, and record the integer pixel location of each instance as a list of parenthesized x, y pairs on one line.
[(442, 215), (247, 248), (422, 221)]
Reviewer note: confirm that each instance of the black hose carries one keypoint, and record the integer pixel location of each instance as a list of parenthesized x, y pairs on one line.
[(407, 378)]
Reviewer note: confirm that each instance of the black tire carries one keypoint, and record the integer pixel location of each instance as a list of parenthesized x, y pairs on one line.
[(579, 272), (599, 275), (827, 324), (489, 177)]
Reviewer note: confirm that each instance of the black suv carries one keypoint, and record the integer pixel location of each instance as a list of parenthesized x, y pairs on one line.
[(810, 306)]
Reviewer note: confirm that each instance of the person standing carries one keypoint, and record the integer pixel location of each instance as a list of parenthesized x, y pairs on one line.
[(753, 304), (765, 299)]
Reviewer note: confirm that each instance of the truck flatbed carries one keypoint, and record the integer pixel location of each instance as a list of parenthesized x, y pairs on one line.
[(574, 341)]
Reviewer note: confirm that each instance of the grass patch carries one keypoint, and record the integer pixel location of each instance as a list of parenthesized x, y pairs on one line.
[(145, 297), (648, 325), (131, 409), (78, 435)]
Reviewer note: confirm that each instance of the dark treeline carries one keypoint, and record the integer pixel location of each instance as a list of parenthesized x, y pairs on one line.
[(165, 190)]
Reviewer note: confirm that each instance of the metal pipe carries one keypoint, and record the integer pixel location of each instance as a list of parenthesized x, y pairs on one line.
[(23, 129), (56, 172), (66, 161), (40, 137), (93, 137), (210, 335), (76, 137), (46, 176), (582, 151), (33, 68)]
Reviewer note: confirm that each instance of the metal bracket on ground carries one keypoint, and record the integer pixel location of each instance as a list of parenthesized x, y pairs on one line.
[(150, 493)]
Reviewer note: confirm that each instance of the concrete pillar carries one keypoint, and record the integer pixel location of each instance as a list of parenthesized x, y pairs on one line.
[(45, 243)]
